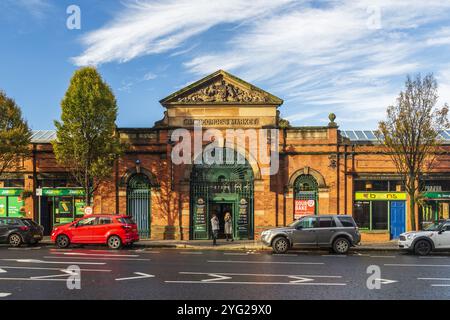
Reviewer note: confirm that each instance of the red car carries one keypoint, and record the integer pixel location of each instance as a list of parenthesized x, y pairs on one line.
[(113, 230)]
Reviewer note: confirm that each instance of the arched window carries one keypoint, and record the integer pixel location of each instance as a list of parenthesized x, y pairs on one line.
[(305, 196)]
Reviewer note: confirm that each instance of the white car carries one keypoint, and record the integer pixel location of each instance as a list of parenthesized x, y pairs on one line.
[(434, 237)]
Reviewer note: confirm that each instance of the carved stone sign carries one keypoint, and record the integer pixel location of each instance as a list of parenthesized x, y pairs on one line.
[(222, 122)]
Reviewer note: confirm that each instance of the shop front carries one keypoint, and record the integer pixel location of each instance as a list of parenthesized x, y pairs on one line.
[(59, 206), (12, 203), (381, 212), (435, 207)]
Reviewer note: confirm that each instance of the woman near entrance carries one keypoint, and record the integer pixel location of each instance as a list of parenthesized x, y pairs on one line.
[(215, 228), (228, 226)]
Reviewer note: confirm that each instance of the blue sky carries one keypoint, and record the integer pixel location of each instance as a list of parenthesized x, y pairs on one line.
[(349, 57)]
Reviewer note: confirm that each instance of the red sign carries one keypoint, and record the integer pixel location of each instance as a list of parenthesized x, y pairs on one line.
[(304, 208), (88, 210)]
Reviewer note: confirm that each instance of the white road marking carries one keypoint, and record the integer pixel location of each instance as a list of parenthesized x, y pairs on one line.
[(2, 270), (53, 269), (97, 258), (235, 254), (440, 285), (217, 277), (433, 257), (416, 265), (262, 262), (25, 249), (146, 251), (263, 283), (4, 294), (52, 262), (386, 281), (284, 255), (95, 254), (140, 276), (382, 256), (194, 252), (438, 279), (264, 274)]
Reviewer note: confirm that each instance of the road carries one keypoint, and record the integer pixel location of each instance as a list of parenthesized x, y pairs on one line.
[(40, 273)]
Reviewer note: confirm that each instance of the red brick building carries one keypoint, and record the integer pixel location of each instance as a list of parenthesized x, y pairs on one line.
[(321, 170)]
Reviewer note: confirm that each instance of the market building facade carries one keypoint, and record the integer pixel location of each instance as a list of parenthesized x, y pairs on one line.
[(320, 170)]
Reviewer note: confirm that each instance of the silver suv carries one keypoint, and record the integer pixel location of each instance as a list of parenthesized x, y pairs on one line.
[(337, 232)]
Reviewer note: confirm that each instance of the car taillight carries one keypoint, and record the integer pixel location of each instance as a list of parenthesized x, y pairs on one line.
[(126, 228), (24, 228)]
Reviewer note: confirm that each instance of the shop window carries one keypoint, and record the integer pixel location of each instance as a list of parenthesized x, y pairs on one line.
[(379, 215), (13, 183), (362, 214), (371, 215)]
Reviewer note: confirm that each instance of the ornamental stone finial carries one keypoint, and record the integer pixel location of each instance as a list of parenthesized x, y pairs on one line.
[(332, 117)]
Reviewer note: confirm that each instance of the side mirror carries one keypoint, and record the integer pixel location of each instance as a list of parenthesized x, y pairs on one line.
[(299, 227), (441, 231)]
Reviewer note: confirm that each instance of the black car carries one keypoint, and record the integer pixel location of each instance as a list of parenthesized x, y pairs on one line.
[(17, 231)]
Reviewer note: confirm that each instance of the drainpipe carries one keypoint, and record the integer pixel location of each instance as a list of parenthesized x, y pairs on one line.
[(35, 214), (117, 186)]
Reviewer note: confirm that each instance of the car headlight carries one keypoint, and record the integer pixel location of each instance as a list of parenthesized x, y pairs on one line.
[(410, 236)]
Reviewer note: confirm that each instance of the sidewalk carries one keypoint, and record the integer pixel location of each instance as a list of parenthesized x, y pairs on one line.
[(236, 245)]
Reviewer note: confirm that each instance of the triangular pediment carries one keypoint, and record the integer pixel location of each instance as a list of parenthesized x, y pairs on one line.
[(221, 88)]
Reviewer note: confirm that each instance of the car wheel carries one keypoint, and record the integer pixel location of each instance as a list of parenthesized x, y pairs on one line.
[(422, 248), (280, 245), (341, 245), (15, 240), (114, 242), (62, 241)]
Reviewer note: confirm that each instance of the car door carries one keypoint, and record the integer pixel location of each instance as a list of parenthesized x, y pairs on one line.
[(325, 231), (305, 233), (3, 230), (443, 238), (82, 231), (100, 229)]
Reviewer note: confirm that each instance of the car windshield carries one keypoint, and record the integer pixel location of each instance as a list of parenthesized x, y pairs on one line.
[(127, 220), (295, 223), (434, 227)]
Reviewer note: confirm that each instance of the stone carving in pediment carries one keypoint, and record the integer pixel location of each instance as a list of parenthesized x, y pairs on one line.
[(222, 91)]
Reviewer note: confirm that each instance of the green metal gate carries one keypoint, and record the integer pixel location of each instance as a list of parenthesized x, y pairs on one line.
[(139, 203), (222, 183)]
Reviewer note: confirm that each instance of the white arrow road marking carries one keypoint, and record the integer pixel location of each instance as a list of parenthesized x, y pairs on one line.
[(140, 274), (220, 276), (262, 262), (217, 277), (4, 294), (2, 270), (52, 262), (300, 279), (386, 281), (53, 269)]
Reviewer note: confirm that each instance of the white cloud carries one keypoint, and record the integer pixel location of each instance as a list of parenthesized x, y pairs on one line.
[(149, 27), (320, 56)]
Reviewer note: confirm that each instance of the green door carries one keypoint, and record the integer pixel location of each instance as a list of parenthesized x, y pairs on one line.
[(219, 188), (139, 203)]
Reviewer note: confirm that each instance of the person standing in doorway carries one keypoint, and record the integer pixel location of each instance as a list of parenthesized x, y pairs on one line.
[(215, 228), (228, 226)]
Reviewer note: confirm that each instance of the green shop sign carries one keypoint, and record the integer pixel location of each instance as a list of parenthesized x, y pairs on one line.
[(60, 192), (436, 195), (11, 192)]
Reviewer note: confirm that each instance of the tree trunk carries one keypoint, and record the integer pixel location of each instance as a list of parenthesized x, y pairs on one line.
[(412, 211)]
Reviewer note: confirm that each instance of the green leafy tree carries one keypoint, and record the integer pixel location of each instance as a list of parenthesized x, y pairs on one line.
[(15, 135), (410, 134), (87, 142)]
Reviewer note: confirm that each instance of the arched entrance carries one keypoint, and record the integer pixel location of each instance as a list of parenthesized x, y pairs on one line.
[(139, 202), (221, 188), (305, 195)]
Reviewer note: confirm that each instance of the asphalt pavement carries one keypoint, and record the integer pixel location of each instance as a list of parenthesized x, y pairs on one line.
[(147, 273)]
